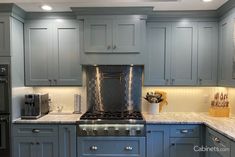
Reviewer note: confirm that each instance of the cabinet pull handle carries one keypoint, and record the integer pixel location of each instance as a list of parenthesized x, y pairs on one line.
[(114, 47), (215, 139), (184, 131), (93, 148), (109, 47), (129, 148), (35, 131), (37, 143), (173, 144)]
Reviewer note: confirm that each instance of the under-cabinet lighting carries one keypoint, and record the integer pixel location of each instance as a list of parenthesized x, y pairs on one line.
[(46, 7), (207, 0)]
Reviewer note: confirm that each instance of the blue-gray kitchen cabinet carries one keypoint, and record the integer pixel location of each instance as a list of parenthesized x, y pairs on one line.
[(31, 140), (232, 148), (4, 35), (184, 53), (67, 141), (52, 53), (207, 53), (215, 139), (184, 147), (157, 142), (38, 52), (111, 146), (106, 34), (157, 69)]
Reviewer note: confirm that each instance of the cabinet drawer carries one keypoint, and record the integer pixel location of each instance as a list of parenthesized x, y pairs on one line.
[(111, 146), (35, 130), (185, 131), (215, 139)]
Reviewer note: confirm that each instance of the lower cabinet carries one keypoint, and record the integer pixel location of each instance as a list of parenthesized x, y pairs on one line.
[(67, 140), (173, 140), (35, 146), (44, 140), (220, 144), (180, 147), (111, 146), (232, 148)]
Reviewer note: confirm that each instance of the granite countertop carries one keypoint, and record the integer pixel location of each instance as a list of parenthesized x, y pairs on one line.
[(225, 126), (59, 118)]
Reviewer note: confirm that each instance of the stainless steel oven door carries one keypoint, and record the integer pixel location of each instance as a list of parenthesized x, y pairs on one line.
[(4, 89), (4, 136)]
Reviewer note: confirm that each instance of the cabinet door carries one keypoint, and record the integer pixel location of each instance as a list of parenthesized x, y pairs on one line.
[(184, 54), (4, 36), (157, 70), (225, 57), (98, 35), (38, 52), (67, 68), (184, 147), (47, 147), (207, 53), (126, 37), (157, 141), (232, 149), (67, 140), (24, 147)]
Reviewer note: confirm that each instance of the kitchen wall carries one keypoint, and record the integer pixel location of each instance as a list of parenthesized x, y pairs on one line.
[(180, 99)]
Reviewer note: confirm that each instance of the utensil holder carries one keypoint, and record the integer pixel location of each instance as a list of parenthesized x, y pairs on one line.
[(154, 108)]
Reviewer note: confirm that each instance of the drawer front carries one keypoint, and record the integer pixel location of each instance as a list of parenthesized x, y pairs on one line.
[(111, 146), (185, 131), (215, 139), (35, 130)]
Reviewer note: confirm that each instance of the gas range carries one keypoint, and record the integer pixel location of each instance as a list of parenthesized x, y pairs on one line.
[(127, 123)]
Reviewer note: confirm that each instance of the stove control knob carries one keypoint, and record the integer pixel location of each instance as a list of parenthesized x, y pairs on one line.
[(95, 131), (138, 131), (106, 131), (84, 131), (127, 131)]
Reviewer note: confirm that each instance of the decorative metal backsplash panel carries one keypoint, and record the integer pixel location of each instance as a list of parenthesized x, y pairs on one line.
[(114, 88)]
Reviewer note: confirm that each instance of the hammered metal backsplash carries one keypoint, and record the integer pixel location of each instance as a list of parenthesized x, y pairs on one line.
[(114, 88)]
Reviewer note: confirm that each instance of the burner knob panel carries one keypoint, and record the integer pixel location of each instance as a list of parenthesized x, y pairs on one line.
[(84, 131), (106, 131)]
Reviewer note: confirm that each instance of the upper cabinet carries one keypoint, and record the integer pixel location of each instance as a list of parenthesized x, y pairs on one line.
[(115, 35), (181, 53), (4, 36), (112, 40), (184, 53), (207, 53), (52, 53)]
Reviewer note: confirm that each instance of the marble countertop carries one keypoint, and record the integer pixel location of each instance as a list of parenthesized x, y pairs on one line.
[(225, 126), (53, 118)]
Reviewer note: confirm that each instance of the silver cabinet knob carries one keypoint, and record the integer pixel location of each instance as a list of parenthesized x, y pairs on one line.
[(93, 148), (128, 148), (184, 131), (36, 131), (3, 70)]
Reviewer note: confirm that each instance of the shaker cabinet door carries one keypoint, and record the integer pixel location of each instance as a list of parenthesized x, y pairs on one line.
[(67, 140), (157, 141), (98, 35), (184, 54), (24, 147), (207, 53), (180, 147), (47, 147), (126, 37), (67, 68), (38, 52), (157, 70), (4, 36)]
